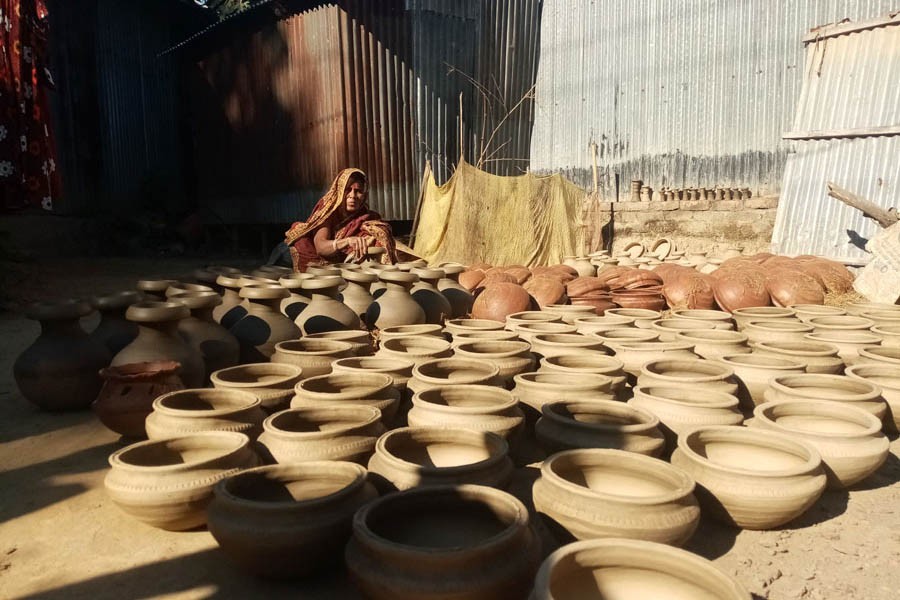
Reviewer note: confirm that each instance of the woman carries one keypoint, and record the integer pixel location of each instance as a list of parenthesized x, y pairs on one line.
[(341, 228)]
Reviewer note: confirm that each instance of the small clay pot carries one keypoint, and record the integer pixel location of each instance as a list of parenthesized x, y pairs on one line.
[(556, 344), (272, 383), (527, 331), (882, 355), (397, 331), (776, 330), (571, 424), (216, 345), (500, 335), (819, 357), (426, 294), (341, 389), (805, 312), (836, 388), (753, 373), (399, 370), (264, 325), (313, 356), (720, 318), (668, 329), (586, 325), (453, 371), (417, 349), (184, 412), (128, 392), (742, 316), (642, 317), (576, 364), (510, 357), (887, 378), (841, 323), (713, 343), (696, 374), (890, 335), (473, 407), (534, 390), (635, 354), (232, 309), (457, 326), (569, 312), (357, 295), (155, 289), (361, 341), (396, 305), (530, 316)]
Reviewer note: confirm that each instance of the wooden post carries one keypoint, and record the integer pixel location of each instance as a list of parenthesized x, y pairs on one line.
[(883, 217), (594, 167)]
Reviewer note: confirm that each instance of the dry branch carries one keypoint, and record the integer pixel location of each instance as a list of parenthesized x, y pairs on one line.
[(883, 217)]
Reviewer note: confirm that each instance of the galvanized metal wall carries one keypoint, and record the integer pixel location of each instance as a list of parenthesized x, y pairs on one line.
[(846, 130), (678, 94)]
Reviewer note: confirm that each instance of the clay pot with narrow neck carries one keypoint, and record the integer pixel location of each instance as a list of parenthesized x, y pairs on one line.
[(311, 355), (582, 264), (231, 310), (128, 392), (426, 294), (357, 294), (835, 388), (155, 289), (510, 357), (60, 369), (887, 378), (218, 346), (209, 274), (570, 424), (395, 306), (819, 357), (457, 295), (158, 339), (325, 312), (296, 303), (264, 325), (713, 343), (115, 331), (184, 412)]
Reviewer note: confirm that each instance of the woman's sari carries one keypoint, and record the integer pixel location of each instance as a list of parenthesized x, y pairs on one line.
[(361, 222)]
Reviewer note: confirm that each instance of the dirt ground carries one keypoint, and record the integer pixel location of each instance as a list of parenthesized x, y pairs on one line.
[(61, 537)]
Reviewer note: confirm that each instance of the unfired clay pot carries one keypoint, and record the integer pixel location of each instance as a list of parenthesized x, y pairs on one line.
[(533, 390), (713, 343), (719, 318), (530, 316), (570, 312), (396, 331), (500, 335), (453, 371), (776, 330), (395, 306), (890, 335), (625, 334), (836, 388), (115, 331), (883, 318), (819, 357), (232, 309), (571, 424), (357, 294), (399, 370), (459, 297), (642, 317), (591, 494), (341, 389), (325, 312), (857, 308), (296, 303), (696, 374), (586, 325), (753, 373), (437, 307), (272, 383), (184, 412), (635, 354), (474, 407), (360, 340), (887, 378), (556, 344), (287, 521), (128, 392), (840, 323), (668, 329), (155, 289), (742, 316), (457, 326), (600, 364), (805, 312), (216, 345), (314, 356), (510, 357), (880, 355), (527, 331), (417, 349)]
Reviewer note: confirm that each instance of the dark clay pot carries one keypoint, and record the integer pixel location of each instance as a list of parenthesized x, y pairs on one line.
[(129, 391), (115, 331)]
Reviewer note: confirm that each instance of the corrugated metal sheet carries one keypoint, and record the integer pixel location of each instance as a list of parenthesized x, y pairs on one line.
[(850, 86), (679, 94)]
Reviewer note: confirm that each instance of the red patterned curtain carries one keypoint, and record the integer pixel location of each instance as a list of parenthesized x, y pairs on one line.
[(28, 173)]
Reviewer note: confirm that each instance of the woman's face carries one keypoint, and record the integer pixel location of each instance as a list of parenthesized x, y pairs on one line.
[(355, 196)]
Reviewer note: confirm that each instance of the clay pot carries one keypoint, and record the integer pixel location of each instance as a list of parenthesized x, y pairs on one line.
[(788, 287), (437, 308), (593, 362), (635, 354), (510, 357), (840, 324), (626, 334), (750, 478), (713, 343), (272, 383), (216, 345), (114, 331), (395, 306), (341, 389), (643, 299), (475, 540), (527, 331), (473, 407), (399, 369), (360, 341), (742, 316), (59, 370), (456, 326), (741, 288), (555, 344), (155, 289), (323, 271), (498, 300), (453, 371), (168, 483), (313, 356), (586, 325), (668, 329), (849, 439), (690, 290), (776, 330), (296, 303), (570, 424), (208, 275), (569, 312), (287, 521), (534, 390), (753, 373), (357, 295), (232, 309), (818, 356), (592, 493), (836, 388), (696, 374), (128, 392), (417, 349), (158, 340), (545, 290), (397, 331), (470, 279), (805, 312), (456, 294), (887, 355), (316, 433), (887, 379), (514, 320), (890, 335), (858, 308), (184, 412), (642, 318), (500, 335), (617, 568), (719, 318), (848, 343), (581, 264), (325, 312)]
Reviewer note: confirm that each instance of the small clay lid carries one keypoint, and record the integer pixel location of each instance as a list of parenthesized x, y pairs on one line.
[(156, 312), (59, 310), (294, 281), (263, 291), (398, 277), (428, 274), (186, 287), (323, 283), (197, 300), (116, 300), (155, 286), (358, 276)]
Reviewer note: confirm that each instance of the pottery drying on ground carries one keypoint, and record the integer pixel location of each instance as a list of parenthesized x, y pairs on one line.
[(776, 330), (342, 389), (474, 407), (576, 364), (635, 354), (357, 295), (417, 349), (360, 340), (719, 318), (232, 309), (805, 312), (399, 370), (713, 343), (858, 308), (668, 329), (324, 311), (396, 305), (272, 383), (457, 295), (128, 392), (570, 424), (527, 331), (216, 345), (396, 331), (453, 371), (883, 318), (115, 331), (483, 336), (510, 357), (742, 316), (296, 303), (836, 388), (168, 483), (534, 390), (586, 325), (642, 317), (590, 494), (313, 356), (570, 312), (887, 378), (880, 355), (696, 374), (819, 357), (530, 316), (889, 334), (848, 343), (753, 373), (436, 306), (840, 324), (184, 412), (625, 334), (555, 344), (456, 326)]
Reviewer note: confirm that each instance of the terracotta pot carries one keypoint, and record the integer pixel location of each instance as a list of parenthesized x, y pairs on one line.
[(569, 312), (473, 407), (642, 317), (287, 521), (510, 357), (456, 294), (720, 318), (887, 355), (397, 331), (805, 312), (471, 279), (570, 424), (617, 568), (360, 341), (741, 288), (453, 371), (357, 295), (555, 344), (158, 340), (417, 349), (399, 369), (59, 370), (887, 379), (128, 392), (313, 356), (168, 483), (890, 335), (849, 439), (634, 354), (545, 290), (696, 374), (599, 364), (456, 326), (753, 373), (750, 478), (776, 330), (478, 543), (586, 325), (581, 264), (296, 303), (713, 343), (341, 389), (272, 383), (216, 345), (316, 433), (437, 308), (232, 309), (325, 312), (690, 290), (527, 331), (114, 331), (500, 335), (836, 388), (184, 412), (819, 357), (155, 289), (668, 329), (639, 299), (591, 494), (530, 316), (534, 390)]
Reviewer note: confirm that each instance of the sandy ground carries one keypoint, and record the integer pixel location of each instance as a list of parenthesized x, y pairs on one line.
[(61, 537)]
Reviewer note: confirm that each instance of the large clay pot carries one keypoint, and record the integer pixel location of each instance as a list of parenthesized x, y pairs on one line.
[(713, 343), (128, 392), (635, 354), (216, 345), (396, 305), (272, 383), (158, 339), (264, 325), (360, 340), (887, 378), (696, 374), (184, 412), (426, 294), (819, 357), (314, 356), (753, 373), (418, 349), (617, 568), (418, 456), (527, 331), (453, 371), (474, 540), (341, 389), (586, 325), (296, 303), (115, 331), (324, 311), (168, 483), (287, 521), (510, 357), (316, 433), (848, 438), (742, 316), (534, 390), (848, 343), (459, 297), (593, 493), (474, 407), (357, 294), (836, 388), (600, 364), (750, 478), (570, 424), (60, 369), (556, 344), (232, 309), (399, 369), (643, 318)]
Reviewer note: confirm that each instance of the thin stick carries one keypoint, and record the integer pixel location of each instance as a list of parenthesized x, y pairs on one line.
[(883, 217)]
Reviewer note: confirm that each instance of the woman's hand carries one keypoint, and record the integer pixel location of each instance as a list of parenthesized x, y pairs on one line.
[(355, 245)]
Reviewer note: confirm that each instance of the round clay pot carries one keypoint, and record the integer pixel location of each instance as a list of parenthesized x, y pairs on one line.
[(287, 521), (840, 324), (581, 264), (114, 331), (776, 330), (341, 389), (418, 456), (272, 383), (216, 345), (60, 369), (324, 311), (187, 288), (184, 412), (399, 369), (232, 309), (457, 295), (642, 317), (296, 303), (592, 493), (473, 407), (453, 371), (417, 349), (155, 289), (570, 424), (750, 478), (500, 335), (753, 373), (360, 341), (886, 355), (858, 308), (323, 271), (510, 357), (719, 318), (626, 334), (128, 392), (313, 356), (887, 378), (555, 344), (635, 354), (395, 306), (713, 343), (819, 357), (669, 328), (569, 312), (805, 312), (530, 316), (836, 388), (397, 331), (617, 568), (426, 294), (594, 362), (696, 374), (456, 326), (742, 316), (475, 540), (527, 331), (208, 275), (586, 325), (534, 390), (890, 335), (357, 295), (848, 343), (168, 483), (849, 439), (316, 433)]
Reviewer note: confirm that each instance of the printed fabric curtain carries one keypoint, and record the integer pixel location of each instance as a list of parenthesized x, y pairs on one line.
[(28, 174)]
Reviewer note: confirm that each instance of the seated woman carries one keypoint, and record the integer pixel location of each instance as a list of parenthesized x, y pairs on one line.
[(341, 228)]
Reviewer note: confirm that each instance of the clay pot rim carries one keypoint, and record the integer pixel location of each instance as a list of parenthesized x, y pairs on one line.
[(851, 336), (497, 448), (197, 300), (620, 460), (604, 320), (675, 325), (428, 273), (264, 291), (354, 474), (505, 399), (486, 369), (154, 285), (393, 331), (398, 277), (819, 309), (69, 309), (844, 323), (637, 314), (701, 314), (324, 270), (886, 330), (497, 335), (373, 383), (116, 300), (399, 364), (294, 280), (565, 339), (237, 401), (411, 345), (624, 334), (874, 306), (181, 287), (699, 398), (532, 316), (567, 308), (156, 312), (245, 280), (596, 382), (881, 354), (655, 557), (474, 325), (288, 374), (770, 312), (613, 365), (760, 361), (358, 276), (552, 412), (819, 408), (341, 335), (230, 282), (770, 440), (856, 390), (493, 348), (713, 335), (229, 442), (322, 282), (367, 414), (876, 370), (650, 346), (327, 347), (536, 327), (137, 371), (797, 348), (708, 371)]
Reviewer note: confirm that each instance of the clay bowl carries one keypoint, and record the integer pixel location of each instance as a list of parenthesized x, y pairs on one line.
[(849, 439), (184, 412), (713, 343), (527, 331), (836, 388), (695, 373), (642, 317), (474, 407), (742, 316), (840, 323), (887, 378), (288, 521), (590, 494), (753, 373), (615, 568), (750, 478), (571, 424), (453, 371), (415, 456), (168, 483), (272, 383)]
